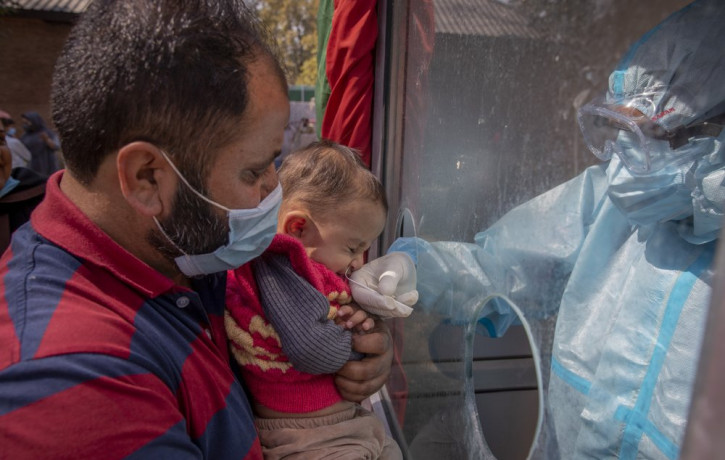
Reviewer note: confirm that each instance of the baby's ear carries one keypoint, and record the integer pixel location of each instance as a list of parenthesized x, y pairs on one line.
[(295, 223)]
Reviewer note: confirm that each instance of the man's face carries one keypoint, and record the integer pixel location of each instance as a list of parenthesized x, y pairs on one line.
[(242, 175), (194, 225)]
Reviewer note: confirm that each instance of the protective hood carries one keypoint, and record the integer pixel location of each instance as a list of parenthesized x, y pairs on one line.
[(674, 75)]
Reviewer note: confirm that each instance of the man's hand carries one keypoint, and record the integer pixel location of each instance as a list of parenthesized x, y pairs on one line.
[(359, 379)]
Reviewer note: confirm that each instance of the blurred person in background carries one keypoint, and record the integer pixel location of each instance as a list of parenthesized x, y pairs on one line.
[(42, 143)]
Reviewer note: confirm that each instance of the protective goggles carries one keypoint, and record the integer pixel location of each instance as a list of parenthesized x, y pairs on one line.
[(604, 125)]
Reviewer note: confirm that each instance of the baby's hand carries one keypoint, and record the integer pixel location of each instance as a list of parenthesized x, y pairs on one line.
[(353, 317)]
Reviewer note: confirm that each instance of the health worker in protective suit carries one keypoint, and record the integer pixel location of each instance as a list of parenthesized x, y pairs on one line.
[(615, 265)]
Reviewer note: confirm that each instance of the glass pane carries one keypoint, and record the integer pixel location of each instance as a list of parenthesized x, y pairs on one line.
[(483, 117)]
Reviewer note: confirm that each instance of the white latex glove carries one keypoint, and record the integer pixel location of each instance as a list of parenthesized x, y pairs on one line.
[(386, 286)]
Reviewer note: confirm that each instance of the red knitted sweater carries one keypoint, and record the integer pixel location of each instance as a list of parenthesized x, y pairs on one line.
[(256, 346)]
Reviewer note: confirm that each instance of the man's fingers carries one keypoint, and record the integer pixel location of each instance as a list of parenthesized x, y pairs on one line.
[(376, 342), (357, 380), (357, 390)]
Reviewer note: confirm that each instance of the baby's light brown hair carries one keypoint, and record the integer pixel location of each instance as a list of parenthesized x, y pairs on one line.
[(324, 175)]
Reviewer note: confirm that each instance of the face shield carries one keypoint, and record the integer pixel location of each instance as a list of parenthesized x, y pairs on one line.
[(644, 146)]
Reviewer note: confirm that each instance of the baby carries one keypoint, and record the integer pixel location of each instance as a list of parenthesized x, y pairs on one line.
[(289, 314)]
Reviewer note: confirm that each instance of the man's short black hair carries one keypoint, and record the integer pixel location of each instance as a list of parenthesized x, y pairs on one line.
[(170, 72)]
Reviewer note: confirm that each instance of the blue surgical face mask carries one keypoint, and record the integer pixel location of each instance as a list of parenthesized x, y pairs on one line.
[(11, 132), (250, 232)]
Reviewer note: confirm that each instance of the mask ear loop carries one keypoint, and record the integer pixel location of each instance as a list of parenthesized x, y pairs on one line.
[(156, 221), (196, 192)]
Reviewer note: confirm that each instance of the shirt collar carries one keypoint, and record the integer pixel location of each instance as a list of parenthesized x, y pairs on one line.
[(59, 220)]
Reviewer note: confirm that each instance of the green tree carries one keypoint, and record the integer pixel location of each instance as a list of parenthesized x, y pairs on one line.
[(293, 24)]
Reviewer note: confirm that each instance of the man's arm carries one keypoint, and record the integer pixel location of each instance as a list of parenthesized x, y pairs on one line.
[(357, 380)]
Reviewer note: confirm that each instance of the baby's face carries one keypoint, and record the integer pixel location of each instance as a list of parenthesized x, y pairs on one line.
[(345, 235)]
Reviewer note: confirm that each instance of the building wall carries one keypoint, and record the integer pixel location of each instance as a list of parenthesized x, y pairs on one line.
[(29, 48)]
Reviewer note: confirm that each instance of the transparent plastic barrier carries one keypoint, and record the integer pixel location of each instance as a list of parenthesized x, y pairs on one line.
[(487, 120)]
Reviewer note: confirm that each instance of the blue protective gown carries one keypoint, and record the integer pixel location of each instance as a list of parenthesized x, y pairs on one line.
[(628, 303)]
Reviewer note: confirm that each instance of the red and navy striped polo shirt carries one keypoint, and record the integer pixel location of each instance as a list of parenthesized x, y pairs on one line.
[(101, 356)]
